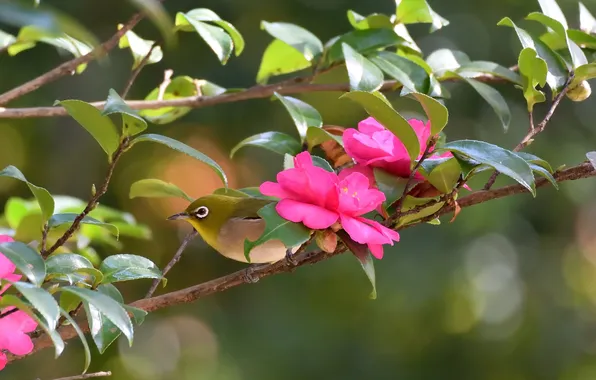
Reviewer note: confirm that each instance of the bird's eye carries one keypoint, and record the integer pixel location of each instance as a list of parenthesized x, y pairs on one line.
[(201, 212)]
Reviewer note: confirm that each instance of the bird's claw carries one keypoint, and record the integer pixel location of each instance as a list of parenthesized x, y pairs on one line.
[(249, 275), (290, 260)]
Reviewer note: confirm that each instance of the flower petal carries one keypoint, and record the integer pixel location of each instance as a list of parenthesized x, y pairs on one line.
[(356, 198), (376, 250), (273, 189), (19, 343), (6, 266), (312, 216), (362, 232), (3, 360)]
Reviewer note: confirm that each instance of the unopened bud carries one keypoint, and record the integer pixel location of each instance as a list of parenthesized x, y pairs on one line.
[(580, 92)]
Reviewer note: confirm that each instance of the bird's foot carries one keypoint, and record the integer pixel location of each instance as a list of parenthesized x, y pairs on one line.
[(249, 275), (290, 259)]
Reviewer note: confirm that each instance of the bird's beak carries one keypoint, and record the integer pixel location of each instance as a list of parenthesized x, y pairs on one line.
[(182, 215)]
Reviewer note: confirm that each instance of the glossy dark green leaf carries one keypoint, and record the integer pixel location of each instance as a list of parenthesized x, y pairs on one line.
[(410, 203), (106, 306), (204, 14), (138, 315), (42, 301), (280, 58), (392, 186), (125, 267), (103, 331), (183, 148), (551, 9), (534, 71), (418, 11), (443, 60), (578, 57), (12, 300), (139, 48), (587, 22), (303, 114), (295, 36), (494, 99), (43, 197), (231, 192), (539, 166), (475, 68), (26, 259), (445, 175), (155, 11), (411, 75), (363, 41), (505, 161), (322, 163), (68, 218), (436, 113), (64, 266), (81, 335), (365, 259), (583, 73), (373, 21), (316, 136), (557, 70), (379, 107), (274, 141), (277, 228), (583, 39), (132, 123), (156, 188), (362, 73), (99, 126), (218, 40)]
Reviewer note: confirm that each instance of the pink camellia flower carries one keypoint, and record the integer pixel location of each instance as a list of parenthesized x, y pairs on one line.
[(13, 326), (373, 145), (318, 199)]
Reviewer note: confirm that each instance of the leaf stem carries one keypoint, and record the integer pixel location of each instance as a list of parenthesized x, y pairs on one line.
[(136, 71)]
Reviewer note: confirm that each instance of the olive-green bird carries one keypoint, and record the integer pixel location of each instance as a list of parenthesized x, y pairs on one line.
[(224, 222)]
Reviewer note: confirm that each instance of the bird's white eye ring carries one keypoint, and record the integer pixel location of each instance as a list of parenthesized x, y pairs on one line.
[(201, 212)]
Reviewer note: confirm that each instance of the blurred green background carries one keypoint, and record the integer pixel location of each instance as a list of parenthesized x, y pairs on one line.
[(507, 291)]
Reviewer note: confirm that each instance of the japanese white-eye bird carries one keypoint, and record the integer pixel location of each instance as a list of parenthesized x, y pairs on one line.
[(224, 222)]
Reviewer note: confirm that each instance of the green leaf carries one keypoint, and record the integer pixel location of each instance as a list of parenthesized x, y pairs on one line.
[(277, 228), (435, 112), (551, 9), (132, 123), (183, 148), (379, 107), (362, 73), (445, 175), (231, 192), (373, 21), (139, 48), (217, 39), (411, 75), (410, 203), (363, 41), (103, 331), (81, 335), (99, 126), (66, 266), (322, 163), (591, 156), (154, 10), (303, 114), (557, 69), (26, 259), (295, 36), (43, 197), (280, 58), (500, 159), (316, 136), (587, 22), (138, 315), (68, 218), (41, 300), (540, 166), (444, 60), (204, 14), (476, 68), (107, 306), (494, 99), (274, 141), (534, 71), (12, 300), (577, 56), (418, 11), (156, 188), (124, 267), (392, 186), (365, 259), (583, 39), (138, 231)]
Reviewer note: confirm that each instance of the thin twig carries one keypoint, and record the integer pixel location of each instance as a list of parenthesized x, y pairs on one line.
[(221, 284), (68, 67), (255, 92), (92, 202), (136, 71), (191, 235), (44, 236), (86, 376), (167, 79)]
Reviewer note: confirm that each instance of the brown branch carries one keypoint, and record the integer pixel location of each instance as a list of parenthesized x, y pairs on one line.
[(293, 86), (68, 67), (533, 131), (221, 284), (177, 256), (136, 71), (86, 376), (92, 202)]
